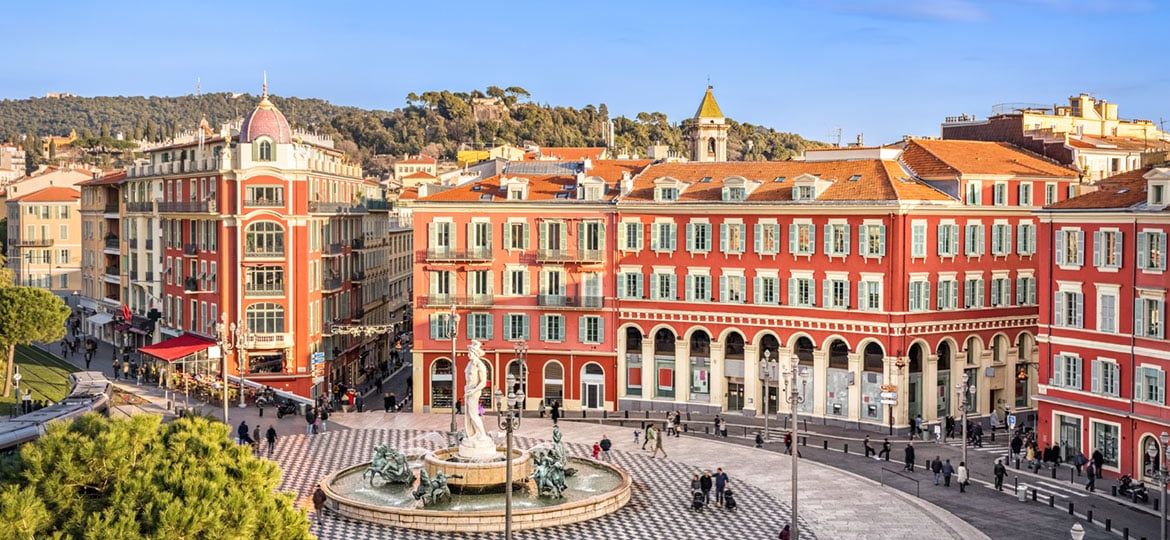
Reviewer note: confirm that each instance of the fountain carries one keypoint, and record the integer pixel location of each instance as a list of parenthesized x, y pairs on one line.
[(461, 488)]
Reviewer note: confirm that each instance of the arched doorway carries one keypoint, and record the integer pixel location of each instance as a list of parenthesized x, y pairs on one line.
[(441, 380), (803, 349), (996, 400), (770, 389), (733, 370), (1151, 450), (554, 383), (592, 386), (700, 366), (517, 378), (664, 345), (1023, 365), (633, 361), (914, 391), (872, 378), (837, 380), (974, 350), (943, 379)]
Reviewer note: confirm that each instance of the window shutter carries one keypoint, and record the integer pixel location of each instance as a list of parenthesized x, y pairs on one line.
[(641, 279), (1007, 239), (673, 287), (434, 326), (490, 323), (828, 239), (1095, 377), (524, 321), (544, 336), (1117, 247), (581, 323), (863, 242), (847, 287), (996, 245), (1020, 232), (881, 240), (756, 296), (690, 292), (1081, 252), (979, 242), (943, 235), (543, 240), (641, 237), (828, 292), (1060, 241), (601, 235), (471, 326), (690, 237), (526, 244), (670, 227), (1021, 291), (845, 251), (1161, 323), (941, 295), (487, 241), (757, 238), (1078, 317), (600, 330), (1097, 245), (654, 236), (995, 293), (792, 291), (723, 237), (723, 288), (544, 283), (792, 243), (1058, 309), (507, 235), (1031, 291), (1161, 387), (561, 286), (1161, 251), (432, 235)]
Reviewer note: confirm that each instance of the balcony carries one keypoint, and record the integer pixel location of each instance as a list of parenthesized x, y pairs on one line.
[(568, 301), (110, 208), (376, 204), (32, 242), (193, 286), (190, 250), (456, 255), (142, 207), (149, 277), (330, 285), (113, 242), (264, 203), (112, 273), (188, 207), (357, 243), (445, 300), (264, 290), (266, 341), (334, 249), (568, 255), (321, 207), (358, 276)]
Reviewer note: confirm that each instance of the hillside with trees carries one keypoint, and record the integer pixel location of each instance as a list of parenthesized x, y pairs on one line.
[(436, 122)]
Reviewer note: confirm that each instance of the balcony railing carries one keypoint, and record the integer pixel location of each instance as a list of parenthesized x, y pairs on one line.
[(445, 300), (331, 284), (357, 243), (358, 275), (190, 250), (150, 277), (113, 242), (264, 203), (336, 248), (32, 242), (267, 290), (562, 300), (570, 255), (266, 341), (113, 271), (110, 208), (139, 206), (376, 204), (189, 207), (444, 254), (192, 285), (322, 207)]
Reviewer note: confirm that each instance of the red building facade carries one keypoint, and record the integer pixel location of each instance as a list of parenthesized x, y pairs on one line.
[(1103, 349)]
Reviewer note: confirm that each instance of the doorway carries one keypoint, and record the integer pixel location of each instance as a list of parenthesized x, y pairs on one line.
[(735, 396), (592, 387)]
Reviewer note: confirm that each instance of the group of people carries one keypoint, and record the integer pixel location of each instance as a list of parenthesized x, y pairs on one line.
[(316, 420), (654, 438), (601, 448), (253, 438), (702, 485), (944, 470), (28, 404)]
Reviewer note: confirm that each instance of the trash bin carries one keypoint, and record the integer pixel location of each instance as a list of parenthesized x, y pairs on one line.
[(301, 408), (1022, 495)]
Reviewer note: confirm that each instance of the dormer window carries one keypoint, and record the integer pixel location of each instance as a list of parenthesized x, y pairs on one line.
[(264, 150), (804, 193), (590, 189), (667, 194), (516, 194), (734, 194), (515, 188), (1158, 187)]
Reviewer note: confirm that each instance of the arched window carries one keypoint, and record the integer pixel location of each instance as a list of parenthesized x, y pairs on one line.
[(441, 376), (265, 318), (264, 152), (554, 383), (264, 238), (711, 146), (592, 386)]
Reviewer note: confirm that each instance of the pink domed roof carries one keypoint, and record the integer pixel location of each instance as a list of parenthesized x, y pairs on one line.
[(267, 121)]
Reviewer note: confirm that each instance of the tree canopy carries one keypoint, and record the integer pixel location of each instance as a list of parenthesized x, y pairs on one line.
[(28, 315), (140, 478)]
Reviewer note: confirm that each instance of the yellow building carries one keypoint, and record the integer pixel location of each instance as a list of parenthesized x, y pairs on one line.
[(101, 277), (60, 141), (44, 246)]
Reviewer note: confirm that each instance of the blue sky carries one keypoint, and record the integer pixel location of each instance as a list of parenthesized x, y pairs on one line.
[(884, 68)]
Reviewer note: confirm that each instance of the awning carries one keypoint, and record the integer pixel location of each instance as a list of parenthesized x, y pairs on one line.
[(101, 319), (176, 348)]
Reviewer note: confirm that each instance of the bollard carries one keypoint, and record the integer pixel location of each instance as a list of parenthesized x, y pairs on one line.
[(1113, 491), (1155, 504), (1071, 479), (1125, 533), (583, 414), (1089, 516), (1054, 473), (686, 428), (846, 448), (1052, 501), (605, 414), (643, 426), (705, 432), (1070, 508), (1033, 494), (688, 416), (1016, 484), (1108, 525), (826, 444), (627, 413), (1017, 464)]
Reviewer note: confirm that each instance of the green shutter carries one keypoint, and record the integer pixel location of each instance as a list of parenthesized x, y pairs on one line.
[(690, 284), (690, 237), (507, 235), (792, 235), (581, 322), (524, 321)]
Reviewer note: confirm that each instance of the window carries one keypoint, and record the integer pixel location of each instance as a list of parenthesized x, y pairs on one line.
[(663, 286), (1025, 239), (731, 238), (698, 288), (440, 235), (873, 240), (265, 151), (264, 281), (1025, 194), (973, 293), (1107, 311), (630, 285), (837, 239), (515, 326), (516, 281), (1149, 385), (1069, 309), (1106, 378), (63, 232), (1152, 251), (1001, 239), (552, 286), (1026, 291), (767, 290), (1157, 195), (767, 238), (632, 236), (479, 283), (802, 292), (552, 327), (948, 240), (1070, 247), (973, 240), (699, 237), (1001, 292), (731, 289), (591, 237), (662, 237), (62, 256), (919, 295), (1107, 438), (265, 318), (918, 239), (666, 194), (804, 193), (1049, 194), (801, 238), (869, 293), (552, 235), (479, 236), (264, 196), (516, 235), (1066, 370), (836, 294), (591, 329), (1107, 249), (999, 194), (479, 326), (264, 239), (1149, 317), (441, 282), (948, 294), (440, 325), (734, 194)]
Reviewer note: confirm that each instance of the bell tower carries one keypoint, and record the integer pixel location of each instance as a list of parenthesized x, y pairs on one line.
[(707, 131)]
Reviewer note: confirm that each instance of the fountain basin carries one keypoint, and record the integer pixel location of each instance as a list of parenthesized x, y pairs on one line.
[(477, 476), (596, 490)]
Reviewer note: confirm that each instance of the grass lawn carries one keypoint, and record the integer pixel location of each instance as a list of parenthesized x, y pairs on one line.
[(42, 373)]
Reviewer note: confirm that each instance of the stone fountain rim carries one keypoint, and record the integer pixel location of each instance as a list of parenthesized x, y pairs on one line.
[(326, 485)]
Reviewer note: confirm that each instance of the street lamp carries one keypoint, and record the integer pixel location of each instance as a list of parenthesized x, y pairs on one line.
[(453, 322), (766, 371), (900, 364), (1162, 477), (794, 398), (228, 336), (962, 388), (509, 421)]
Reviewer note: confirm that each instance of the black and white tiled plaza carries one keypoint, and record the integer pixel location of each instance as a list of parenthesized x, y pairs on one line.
[(659, 505)]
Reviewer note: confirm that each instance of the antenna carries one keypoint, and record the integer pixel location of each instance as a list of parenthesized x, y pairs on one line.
[(835, 136)]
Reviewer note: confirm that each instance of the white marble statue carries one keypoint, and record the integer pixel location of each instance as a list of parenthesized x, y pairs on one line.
[(476, 443)]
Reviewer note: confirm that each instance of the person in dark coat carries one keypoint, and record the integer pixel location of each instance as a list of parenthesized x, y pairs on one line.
[(999, 471), (387, 403), (556, 412), (319, 502), (705, 485), (1098, 460), (885, 450), (242, 433), (947, 471), (720, 485), (936, 468), (271, 436), (909, 454)]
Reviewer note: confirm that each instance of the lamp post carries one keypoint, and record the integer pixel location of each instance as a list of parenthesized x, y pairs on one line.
[(509, 420), (900, 364), (1162, 478), (794, 398), (963, 390), (766, 371), (453, 322), (226, 336), (240, 361)]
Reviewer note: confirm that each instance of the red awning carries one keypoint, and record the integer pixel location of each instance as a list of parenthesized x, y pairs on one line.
[(178, 347)]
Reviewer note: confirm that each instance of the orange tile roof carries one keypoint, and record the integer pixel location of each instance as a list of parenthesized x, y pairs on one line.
[(50, 194), (568, 153), (934, 159), (113, 178), (421, 158), (878, 180), (408, 194), (421, 175), (1119, 143), (1118, 191), (542, 187)]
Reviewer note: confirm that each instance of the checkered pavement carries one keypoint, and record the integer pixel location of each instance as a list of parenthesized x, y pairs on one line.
[(659, 505)]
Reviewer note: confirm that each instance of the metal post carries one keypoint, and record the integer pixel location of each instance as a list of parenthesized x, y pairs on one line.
[(1165, 437), (767, 355), (509, 420), (454, 322), (508, 485), (963, 405), (892, 421), (794, 399)]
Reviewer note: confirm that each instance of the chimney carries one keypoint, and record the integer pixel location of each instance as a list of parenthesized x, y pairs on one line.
[(586, 164), (627, 183)]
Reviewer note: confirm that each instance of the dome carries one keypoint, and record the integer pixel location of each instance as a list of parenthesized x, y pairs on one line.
[(265, 121)]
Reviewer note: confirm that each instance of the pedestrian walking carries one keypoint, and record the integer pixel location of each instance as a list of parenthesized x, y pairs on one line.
[(117, 368), (318, 502), (270, 435), (869, 451), (606, 444), (947, 471), (787, 442), (387, 403), (1098, 460), (999, 471), (597, 450), (936, 468), (720, 485), (677, 423), (950, 421), (1091, 477), (323, 419), (885, 453), (310, 421), (556, 411), (1017, 444), (242, 433), (759, 439), (256, 439), (964, 476), (636, 434), (909, 457), (658, 447), (1079, 461), (650, 435), (705, 484), (786, 534), (541, 409)]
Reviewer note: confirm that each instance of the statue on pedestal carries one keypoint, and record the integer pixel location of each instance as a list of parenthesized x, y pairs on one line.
[(476, 444)]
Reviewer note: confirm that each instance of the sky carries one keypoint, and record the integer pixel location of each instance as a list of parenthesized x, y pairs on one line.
[(881, 68)]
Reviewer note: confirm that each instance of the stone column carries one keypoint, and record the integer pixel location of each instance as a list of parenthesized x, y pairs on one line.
[(820, 381), (621, 365), (751, 380), (718, 379), (930, 388), (855, 365), (647, 369), (682, 370)]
